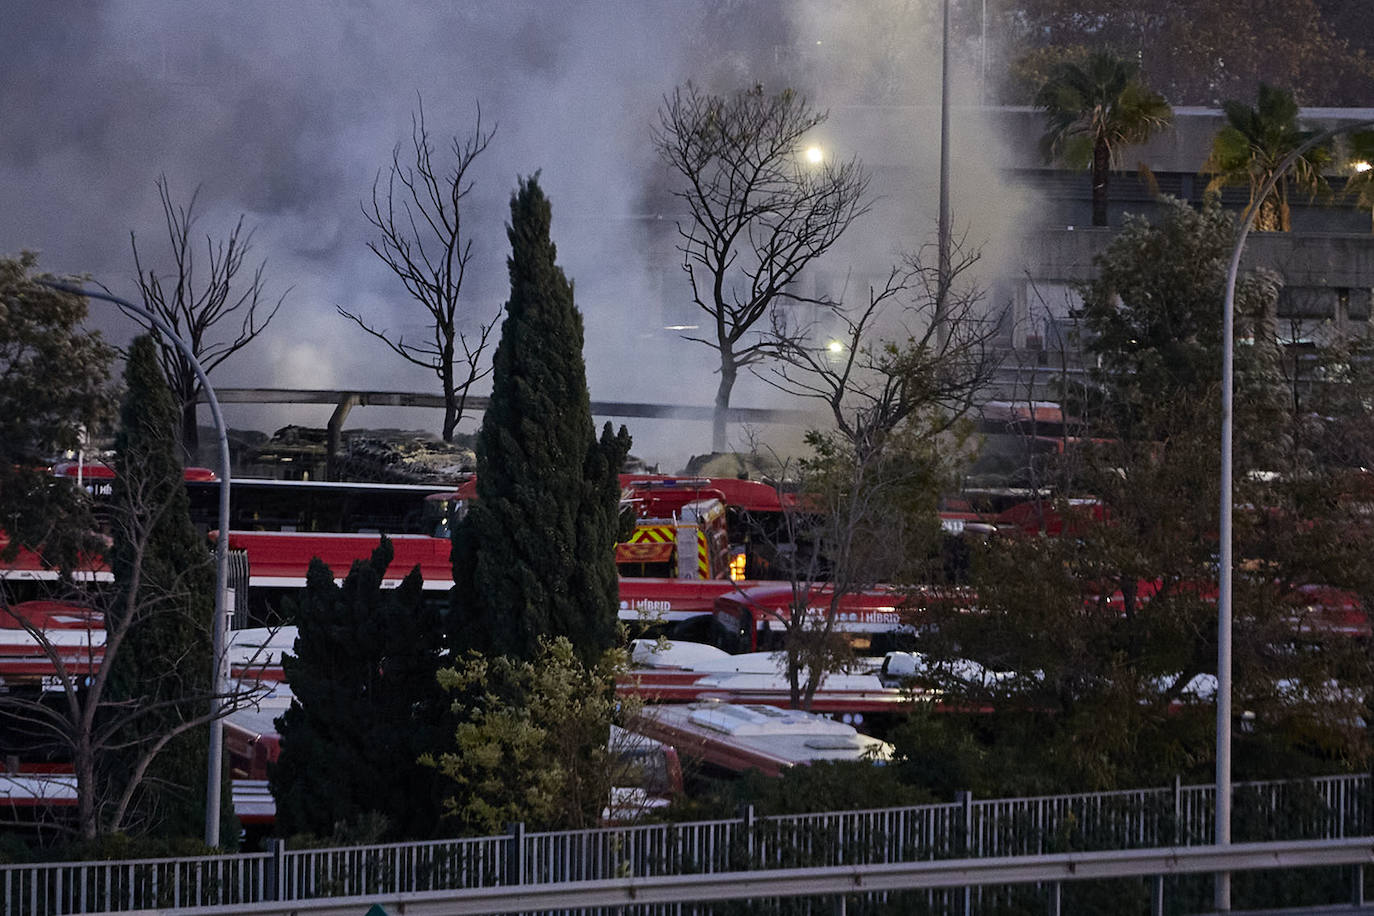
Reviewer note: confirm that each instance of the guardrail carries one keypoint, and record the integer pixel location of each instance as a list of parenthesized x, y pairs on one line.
[(831, 887), (1177, 816)]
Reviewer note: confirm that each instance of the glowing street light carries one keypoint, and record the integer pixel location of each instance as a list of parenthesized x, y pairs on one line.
[(1360, 168)]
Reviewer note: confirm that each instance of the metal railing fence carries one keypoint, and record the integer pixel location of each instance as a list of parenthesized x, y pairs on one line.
[(136, 884), (1325, 808), (395, 867)]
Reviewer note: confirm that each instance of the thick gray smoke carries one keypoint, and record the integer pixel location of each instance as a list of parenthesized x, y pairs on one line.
[(285, 113)]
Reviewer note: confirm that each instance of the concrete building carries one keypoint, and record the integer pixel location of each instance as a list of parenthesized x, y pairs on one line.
[(1326, 262)]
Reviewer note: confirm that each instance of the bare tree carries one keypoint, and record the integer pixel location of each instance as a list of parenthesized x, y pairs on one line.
[(197, 307), (920, 348), (420, 229), (846, 527), (759, 215), (140, 676), (867, 509), (78, 715)]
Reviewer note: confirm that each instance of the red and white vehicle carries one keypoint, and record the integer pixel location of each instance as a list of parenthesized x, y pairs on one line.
[(251, 741), (680, 531), (38, 636), (737, 738), (753, 618), (687, 672), (38, 798)]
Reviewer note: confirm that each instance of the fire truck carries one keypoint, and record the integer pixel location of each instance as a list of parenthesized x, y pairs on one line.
[(679, 531)]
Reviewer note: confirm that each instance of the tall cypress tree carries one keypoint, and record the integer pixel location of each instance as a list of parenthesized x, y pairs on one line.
[(535, 554), (367, 705), (164, 581)]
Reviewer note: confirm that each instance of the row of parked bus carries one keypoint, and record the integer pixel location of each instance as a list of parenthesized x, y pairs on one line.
[(700, 564)]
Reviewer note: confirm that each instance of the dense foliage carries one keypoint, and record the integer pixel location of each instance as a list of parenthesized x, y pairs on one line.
[(367, 706), (53, 387), (1097, 639), (534, 555), (533, 744), (1196, 53)]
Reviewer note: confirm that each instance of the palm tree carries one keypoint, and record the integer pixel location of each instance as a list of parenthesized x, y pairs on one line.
[(1093, 108), (1252, 145)]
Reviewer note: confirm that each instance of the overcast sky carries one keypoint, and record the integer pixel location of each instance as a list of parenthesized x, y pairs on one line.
[(285, 111)]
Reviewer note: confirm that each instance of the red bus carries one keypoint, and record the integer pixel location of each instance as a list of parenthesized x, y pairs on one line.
[(273, 566), (260, 504), (754, 619)]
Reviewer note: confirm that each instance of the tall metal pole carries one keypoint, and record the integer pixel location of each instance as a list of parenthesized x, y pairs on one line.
[(220, 623), (943, 281), (983, 58), (1223, 803), (1224, 605)]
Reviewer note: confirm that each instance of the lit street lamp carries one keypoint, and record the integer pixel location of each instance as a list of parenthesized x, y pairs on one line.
[(220, 622), (1360, 168)]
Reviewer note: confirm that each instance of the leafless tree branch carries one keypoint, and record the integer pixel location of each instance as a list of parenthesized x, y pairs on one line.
[(900, 355), (420, 239), (89, 724), (757, 215), (196, 307)]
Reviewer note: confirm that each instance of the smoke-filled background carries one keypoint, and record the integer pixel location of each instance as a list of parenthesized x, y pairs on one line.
[(286, 112)]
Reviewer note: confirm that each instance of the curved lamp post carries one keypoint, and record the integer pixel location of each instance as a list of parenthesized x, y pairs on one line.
[(219, 624), (1224, 616)]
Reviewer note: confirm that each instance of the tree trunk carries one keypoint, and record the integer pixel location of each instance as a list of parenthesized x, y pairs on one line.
[(1102, 169), (83, 765), (450, 391), (728, 373), (450, 416), (1272, 215), (813, 682), (190, 432), (1269, 218), (794, 673)]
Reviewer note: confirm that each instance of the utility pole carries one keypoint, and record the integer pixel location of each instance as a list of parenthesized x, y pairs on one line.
[(942, 282)]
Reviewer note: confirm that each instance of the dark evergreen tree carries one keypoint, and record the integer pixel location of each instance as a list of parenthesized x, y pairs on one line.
[(367, 706), (164, 578), (535, 554)]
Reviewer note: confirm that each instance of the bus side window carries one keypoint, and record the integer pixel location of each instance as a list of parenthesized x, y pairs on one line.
[(770, 640)]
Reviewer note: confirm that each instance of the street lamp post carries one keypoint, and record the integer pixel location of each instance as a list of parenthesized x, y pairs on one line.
[(943, 229), (219, 625), (1224, 605)]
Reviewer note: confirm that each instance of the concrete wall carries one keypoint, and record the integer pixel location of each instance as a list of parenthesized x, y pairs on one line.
[(1327, 277), (1303, 259)]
